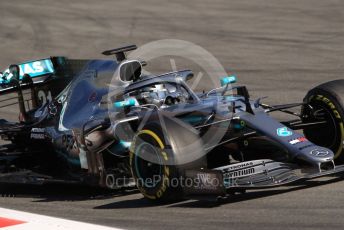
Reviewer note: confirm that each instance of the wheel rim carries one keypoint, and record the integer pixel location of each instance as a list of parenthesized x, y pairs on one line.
[(326, 134), (149, 173)]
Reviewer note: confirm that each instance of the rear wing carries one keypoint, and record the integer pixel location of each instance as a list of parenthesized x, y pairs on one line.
[(40, 71), (35, 69), (45, 78)]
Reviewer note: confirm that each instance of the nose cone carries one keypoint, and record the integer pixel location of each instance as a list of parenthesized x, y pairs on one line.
[(317, 155)]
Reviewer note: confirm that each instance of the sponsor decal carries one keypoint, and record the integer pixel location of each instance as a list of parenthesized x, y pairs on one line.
[(246, 172), (236, 171), (205, 181), (319, 152), (284, 132), (307, 146), (298, 140), (240, 173), (37, 133), (239, 166), (34, 69), (231, 178)]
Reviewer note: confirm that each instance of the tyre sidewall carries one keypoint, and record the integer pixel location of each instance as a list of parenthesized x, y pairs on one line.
[(333, 103)]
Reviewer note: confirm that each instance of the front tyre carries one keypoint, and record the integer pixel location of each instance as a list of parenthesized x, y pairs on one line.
[(325, 103), (154, 160), (150, 165)]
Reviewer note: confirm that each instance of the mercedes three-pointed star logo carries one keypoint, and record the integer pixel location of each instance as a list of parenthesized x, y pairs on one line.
[(319, 152)]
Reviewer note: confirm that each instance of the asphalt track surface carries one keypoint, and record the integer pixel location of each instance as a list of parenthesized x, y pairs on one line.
[(279, 49)]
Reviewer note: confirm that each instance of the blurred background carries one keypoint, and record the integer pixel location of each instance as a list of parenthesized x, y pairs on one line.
[(279, 49)]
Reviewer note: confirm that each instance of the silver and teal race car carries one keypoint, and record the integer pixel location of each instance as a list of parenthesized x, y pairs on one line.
[(107, 123)]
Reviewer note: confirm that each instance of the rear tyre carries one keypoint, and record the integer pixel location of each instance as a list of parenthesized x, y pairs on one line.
[(325, 103)]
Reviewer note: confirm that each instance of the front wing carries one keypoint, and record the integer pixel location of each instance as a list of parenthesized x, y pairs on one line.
[(257, 174)]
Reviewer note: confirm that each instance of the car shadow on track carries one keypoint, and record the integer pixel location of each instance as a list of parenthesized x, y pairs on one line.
[(58, 192), (125, 204), (256, 194), (50, 193), (249, 195)]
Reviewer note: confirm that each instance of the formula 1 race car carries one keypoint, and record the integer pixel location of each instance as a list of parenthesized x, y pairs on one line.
[(106, 123)]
